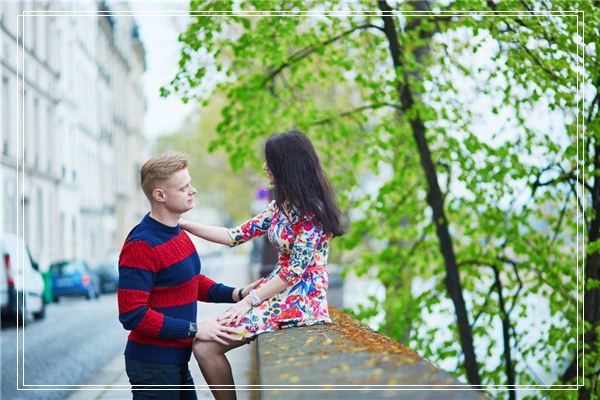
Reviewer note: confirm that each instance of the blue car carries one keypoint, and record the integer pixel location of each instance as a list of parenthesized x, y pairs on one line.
[(73, 278)]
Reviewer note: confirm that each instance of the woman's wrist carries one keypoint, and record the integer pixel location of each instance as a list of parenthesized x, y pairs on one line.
[(254, 298)]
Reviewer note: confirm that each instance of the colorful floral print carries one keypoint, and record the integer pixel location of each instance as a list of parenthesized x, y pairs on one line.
[(303, 248)]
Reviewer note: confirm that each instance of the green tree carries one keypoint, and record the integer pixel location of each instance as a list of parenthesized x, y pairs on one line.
[(390, 97), (542, 52)]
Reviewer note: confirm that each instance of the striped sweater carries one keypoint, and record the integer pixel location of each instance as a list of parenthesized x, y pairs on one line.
[(159, 284)]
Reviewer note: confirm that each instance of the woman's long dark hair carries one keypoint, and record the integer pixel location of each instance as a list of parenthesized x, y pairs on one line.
[(300, 180)]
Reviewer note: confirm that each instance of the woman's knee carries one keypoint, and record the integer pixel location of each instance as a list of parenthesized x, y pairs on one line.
[(205, 350)]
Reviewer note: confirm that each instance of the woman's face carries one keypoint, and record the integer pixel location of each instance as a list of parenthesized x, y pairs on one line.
[(269, 173)]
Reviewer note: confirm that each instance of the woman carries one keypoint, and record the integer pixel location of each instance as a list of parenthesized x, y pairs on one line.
[(300, 223)]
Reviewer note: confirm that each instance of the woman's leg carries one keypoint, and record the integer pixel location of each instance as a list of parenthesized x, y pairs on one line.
[(215, 367)]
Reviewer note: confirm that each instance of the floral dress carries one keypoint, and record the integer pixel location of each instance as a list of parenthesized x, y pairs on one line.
[(303, 248)]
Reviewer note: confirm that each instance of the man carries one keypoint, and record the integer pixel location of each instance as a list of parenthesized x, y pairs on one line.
[(159, 284)]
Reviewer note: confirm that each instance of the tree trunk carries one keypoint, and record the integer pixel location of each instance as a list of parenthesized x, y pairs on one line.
[(592, 296), (435, 200)]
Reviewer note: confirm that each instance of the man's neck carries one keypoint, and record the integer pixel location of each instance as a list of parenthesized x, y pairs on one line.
[(165, 217)]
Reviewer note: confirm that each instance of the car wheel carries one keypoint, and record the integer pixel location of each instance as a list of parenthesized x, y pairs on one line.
[(40, 314), (55, 299), (24, 315)]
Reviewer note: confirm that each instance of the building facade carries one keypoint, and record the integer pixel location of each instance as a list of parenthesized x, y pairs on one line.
[(72, 127)]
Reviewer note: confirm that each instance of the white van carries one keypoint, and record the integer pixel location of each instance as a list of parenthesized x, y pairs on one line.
[(19, 276)]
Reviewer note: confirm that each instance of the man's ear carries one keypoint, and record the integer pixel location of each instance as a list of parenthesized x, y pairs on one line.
[(159, 195)]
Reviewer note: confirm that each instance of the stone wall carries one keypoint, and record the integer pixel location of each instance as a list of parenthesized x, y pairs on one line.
[(350, 356)]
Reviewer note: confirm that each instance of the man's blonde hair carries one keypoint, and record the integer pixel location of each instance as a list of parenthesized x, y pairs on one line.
[(158, 169)]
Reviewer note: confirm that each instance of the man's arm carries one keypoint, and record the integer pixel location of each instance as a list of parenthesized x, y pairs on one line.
[(211, 292)]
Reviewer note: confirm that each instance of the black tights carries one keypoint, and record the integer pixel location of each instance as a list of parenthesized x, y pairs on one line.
[(215, 367)]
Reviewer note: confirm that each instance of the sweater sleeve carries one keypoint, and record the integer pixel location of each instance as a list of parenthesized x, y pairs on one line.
[(137, 274), (211, 292), (252, 228)]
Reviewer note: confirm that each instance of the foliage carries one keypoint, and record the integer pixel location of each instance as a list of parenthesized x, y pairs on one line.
[(512, 186)]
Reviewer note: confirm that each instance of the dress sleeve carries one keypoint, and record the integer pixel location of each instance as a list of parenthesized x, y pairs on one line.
[(252, 228), (303, 252)]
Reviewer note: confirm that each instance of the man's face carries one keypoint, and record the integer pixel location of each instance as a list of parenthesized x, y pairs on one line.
[(178, 192)]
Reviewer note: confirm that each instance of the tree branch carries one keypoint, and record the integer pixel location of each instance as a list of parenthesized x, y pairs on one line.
[(448, 178), (487, 297), (595, 102), (516, 271), (301, 54), (564, 177), (354, 111), (492, 5), (560, 219), (510, 371)]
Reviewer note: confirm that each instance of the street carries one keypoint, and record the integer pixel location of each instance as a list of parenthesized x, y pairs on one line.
[(68, 347), (79, 337)]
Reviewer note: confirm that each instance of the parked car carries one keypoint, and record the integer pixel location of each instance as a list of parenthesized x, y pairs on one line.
[(20, 280), (108, 274), (73, 278)]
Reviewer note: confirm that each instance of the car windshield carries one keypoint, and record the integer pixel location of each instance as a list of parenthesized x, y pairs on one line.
[(65, 268)]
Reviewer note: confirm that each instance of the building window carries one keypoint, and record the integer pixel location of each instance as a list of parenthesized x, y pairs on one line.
[(35, 22), (50, 142), (40, 218), (62, 253), (26, 134), (36, 131), (9, 209), (6, 117), (73, 238)]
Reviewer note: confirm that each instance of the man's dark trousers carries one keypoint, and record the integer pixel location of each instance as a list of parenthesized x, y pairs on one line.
[(144, 375)]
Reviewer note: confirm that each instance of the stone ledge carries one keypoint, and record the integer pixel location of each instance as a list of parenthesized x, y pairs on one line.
[(348, 352)]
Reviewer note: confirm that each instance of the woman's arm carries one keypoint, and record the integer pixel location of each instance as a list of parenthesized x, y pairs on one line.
[(215, 234), (235, 313), (250, 229), (270, 288)]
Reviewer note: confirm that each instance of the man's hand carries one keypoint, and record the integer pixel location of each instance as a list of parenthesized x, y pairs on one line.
[(215, 331), (235, 313)]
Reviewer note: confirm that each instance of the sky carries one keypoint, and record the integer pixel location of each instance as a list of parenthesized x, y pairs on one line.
[(159, 36)]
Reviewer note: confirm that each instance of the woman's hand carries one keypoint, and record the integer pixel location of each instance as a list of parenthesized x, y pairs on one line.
[(248, 288), (216, 331), (236, 293), (184, 224), (235, 313)]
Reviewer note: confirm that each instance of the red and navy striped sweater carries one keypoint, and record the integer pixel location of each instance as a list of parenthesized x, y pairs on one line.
[(159, 284)]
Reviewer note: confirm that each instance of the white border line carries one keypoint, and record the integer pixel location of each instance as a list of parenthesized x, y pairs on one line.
[(21, 253), (74, 13), (19, 129), (583, 211), (577, 214)]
